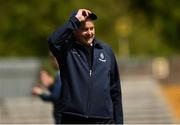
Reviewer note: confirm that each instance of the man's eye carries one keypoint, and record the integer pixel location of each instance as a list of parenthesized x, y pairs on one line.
[(84, 29)]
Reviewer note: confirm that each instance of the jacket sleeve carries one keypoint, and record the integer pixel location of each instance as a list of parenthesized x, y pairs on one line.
[(54, 92), (58, 40), (116, 91), (46, 97)]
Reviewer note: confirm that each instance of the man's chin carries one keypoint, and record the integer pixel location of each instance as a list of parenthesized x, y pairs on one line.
[(87, 41)]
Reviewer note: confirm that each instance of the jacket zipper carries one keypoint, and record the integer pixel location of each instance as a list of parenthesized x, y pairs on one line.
[(89, 86), (88, 104), (90, 73)]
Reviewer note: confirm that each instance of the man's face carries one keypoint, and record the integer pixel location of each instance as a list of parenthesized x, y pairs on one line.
[(86, 32)]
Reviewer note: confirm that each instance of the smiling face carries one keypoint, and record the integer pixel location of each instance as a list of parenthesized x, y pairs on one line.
[(86, 32)]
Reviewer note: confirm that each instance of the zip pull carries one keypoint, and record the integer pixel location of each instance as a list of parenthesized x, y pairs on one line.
[(90, 72)]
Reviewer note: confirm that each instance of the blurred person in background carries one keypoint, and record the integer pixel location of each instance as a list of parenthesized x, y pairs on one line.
[(91, 92), (50, 79)]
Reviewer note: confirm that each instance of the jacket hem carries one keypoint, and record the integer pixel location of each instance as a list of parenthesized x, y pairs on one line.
[(87, 116)]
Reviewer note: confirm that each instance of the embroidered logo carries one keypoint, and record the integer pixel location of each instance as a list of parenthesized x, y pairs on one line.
[(102, 57)]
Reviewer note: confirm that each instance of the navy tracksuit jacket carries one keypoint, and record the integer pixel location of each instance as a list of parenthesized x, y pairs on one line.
[(91, 91)]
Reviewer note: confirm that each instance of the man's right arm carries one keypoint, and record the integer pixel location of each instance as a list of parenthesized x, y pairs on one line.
[(61, 36), (58, 39)]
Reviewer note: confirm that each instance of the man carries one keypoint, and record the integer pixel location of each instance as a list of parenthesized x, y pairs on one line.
[(90, 80)]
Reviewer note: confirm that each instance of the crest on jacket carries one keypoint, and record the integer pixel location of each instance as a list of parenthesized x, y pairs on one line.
[(102, 57)]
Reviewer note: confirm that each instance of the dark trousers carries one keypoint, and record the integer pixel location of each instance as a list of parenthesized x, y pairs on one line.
[(57, 117), (72, 119)]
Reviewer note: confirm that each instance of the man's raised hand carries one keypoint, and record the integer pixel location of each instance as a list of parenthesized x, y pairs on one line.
[(82, 14)]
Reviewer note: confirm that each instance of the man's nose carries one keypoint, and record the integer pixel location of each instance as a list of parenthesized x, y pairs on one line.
[(89, 32)]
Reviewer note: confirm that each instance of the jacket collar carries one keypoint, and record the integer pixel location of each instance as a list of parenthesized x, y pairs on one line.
[(97, 44)]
